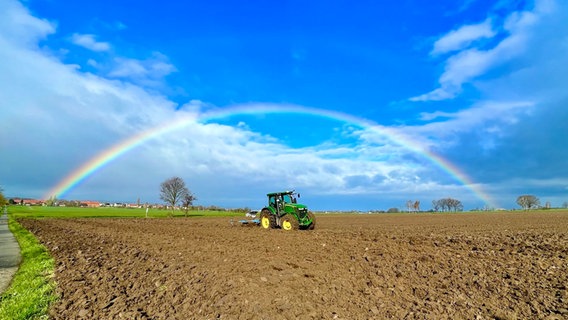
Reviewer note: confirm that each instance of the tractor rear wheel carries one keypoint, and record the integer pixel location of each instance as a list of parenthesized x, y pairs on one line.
[(289, 222), (267, 219), (313, 218)]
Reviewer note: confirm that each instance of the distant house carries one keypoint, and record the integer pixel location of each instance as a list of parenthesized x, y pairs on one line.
[(90, 204), (32, 202)]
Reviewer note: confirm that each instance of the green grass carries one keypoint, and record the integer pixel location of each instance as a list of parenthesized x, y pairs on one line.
[(18, 211), (32, 288)]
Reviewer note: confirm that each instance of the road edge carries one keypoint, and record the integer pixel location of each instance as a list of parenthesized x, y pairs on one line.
[(10, 256)]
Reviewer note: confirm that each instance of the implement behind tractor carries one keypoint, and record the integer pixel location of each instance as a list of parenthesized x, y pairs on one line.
[(284, 212)]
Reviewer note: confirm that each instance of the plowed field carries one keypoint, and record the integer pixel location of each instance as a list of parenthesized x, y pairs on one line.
[(468, 266)]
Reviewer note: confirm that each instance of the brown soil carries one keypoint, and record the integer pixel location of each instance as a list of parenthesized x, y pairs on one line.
[(469, 266)]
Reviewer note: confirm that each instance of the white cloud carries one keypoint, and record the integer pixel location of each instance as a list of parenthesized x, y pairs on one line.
[(92, 63), (469, 64), (485, 118), (88, 41), (428, 116), (461, 38), (126, 68), (148, 72)]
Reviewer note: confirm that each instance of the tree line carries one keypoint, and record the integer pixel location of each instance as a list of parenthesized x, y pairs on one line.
[(447, 204), (526, 202)]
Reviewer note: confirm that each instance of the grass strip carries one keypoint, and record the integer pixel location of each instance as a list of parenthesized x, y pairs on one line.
[(33, 288), (18, 211)]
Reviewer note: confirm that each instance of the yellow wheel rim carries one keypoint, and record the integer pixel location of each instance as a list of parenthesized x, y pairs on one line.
[(286, 225), (265, 222)]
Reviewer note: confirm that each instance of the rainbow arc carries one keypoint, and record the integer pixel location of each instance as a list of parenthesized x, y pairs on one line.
[(108, 155)]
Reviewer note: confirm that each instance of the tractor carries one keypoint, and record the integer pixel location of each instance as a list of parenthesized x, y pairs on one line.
[(284, 212)]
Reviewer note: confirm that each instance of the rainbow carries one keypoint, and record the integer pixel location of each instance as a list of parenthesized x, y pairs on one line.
[(106, 156)]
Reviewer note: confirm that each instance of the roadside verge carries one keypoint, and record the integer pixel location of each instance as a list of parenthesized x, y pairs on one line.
[(9, 255), (32, 289)]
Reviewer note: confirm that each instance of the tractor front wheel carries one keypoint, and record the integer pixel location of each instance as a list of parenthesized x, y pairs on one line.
[(289, 222), (312, 217), (267, 219)]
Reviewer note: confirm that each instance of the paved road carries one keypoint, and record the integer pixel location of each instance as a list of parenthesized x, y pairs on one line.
[(9, 253)]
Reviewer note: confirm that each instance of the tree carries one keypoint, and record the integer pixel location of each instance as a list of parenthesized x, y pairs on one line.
[(51, 201), (455, 204), (3, 200), (413, 206), (172, 191), (436, 206), (187, 201), (416, 206), (528, 201), (409, 205), (565, 204)]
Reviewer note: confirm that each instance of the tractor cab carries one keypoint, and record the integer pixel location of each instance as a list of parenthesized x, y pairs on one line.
[(279, 200)]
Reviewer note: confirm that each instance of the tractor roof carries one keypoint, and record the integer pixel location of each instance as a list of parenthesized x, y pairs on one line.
[(280, 193)]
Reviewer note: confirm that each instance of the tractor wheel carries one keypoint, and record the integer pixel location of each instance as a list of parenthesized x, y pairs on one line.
[(289, 222), (267, 220), (313, 218)]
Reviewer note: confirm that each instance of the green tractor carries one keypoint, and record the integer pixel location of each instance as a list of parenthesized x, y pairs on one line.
[(284, 212)]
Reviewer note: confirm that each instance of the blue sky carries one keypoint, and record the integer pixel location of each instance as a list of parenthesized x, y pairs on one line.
[(479, 84)]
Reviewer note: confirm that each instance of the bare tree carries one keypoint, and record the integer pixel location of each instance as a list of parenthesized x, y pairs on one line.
[(455, 204), (409, 205), (187, 201), (172, 191), (528, 201), (436, 205), (413, 206)]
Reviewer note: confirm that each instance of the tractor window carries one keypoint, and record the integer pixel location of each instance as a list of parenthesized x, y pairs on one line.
[(287, 198)]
